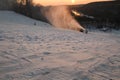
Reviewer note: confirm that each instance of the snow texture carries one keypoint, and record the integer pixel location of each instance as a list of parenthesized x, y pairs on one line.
[(42, 52)]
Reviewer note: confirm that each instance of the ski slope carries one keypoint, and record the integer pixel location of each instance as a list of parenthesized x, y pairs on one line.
[(42, 52)]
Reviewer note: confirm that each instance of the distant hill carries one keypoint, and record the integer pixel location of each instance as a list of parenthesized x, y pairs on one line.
[(102, 10)]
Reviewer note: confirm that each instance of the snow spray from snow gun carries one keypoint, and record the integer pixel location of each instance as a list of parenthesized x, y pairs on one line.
[(60, 17)]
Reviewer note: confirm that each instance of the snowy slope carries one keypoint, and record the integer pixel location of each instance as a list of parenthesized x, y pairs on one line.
[(41, 52)]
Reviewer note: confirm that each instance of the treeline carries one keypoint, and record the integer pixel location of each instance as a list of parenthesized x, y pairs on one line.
[(23, 7), (27, 8), (7, 4)]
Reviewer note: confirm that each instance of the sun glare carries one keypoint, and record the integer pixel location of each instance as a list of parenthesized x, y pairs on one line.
[(73, 1), (75, 13)]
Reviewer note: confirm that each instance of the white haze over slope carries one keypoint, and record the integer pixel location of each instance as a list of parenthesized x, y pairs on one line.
[(41, 52), (61, 17)]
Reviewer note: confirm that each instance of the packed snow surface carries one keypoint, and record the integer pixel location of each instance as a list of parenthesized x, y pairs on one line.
[(34, 50)]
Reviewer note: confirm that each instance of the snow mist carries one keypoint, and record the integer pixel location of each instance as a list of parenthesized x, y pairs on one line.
[(60, 17)]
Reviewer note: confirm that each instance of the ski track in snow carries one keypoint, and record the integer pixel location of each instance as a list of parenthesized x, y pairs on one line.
[(41, 52)]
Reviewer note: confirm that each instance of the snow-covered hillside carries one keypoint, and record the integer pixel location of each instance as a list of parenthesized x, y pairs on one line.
[(33, 50)]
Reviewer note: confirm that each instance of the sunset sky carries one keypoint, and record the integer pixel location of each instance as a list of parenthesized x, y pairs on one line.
[(63, 2)]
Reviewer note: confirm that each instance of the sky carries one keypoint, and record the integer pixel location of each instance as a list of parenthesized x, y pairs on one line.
[(63, 2)]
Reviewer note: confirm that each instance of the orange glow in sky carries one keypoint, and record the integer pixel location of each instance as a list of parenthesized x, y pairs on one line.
[(64, 2), (73, 1)]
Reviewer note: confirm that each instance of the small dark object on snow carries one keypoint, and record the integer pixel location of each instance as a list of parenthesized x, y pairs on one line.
[(35, 23), (42, 58), (46, 53), (84, 31)]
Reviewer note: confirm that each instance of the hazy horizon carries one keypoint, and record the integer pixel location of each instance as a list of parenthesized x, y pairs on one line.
[(64, 2)]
